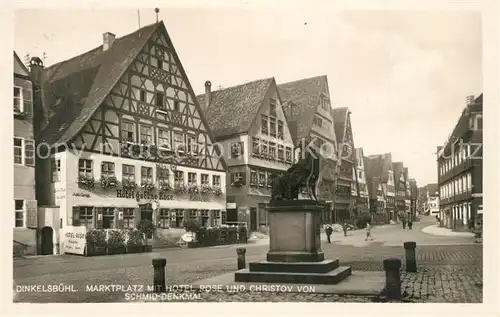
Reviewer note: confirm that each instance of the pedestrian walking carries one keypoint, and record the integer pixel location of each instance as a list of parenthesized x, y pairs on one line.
[(344, 227), (328, 231), (404, 223), (368, 231), (410, 224)]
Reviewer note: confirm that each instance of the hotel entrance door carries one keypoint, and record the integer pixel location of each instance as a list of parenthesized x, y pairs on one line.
[(147, 213)]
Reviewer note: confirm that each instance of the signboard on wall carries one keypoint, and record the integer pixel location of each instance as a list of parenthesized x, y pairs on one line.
[(74, 240)]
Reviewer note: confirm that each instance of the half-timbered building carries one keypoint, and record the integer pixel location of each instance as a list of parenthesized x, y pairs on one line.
[(308, 111), (25, 204), (345, 202), (127, 138), (250, 126), (400, 189), (407, 193), (380, 165), (360, 190)]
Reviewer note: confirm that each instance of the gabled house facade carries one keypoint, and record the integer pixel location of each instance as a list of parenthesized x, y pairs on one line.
[(127, 140), (360, 190), (310, 120), (400, 184), (413, 198), (25, 203), (249, 123), (407, 193), (431, 200), (345, 203), (381, 164)]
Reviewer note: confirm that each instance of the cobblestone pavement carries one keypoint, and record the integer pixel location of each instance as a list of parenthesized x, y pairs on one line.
[(447, 273)]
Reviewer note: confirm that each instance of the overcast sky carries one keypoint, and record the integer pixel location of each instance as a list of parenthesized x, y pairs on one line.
[(403, 74)]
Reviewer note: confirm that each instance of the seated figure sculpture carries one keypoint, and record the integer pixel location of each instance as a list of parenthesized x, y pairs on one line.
[(304, 173)]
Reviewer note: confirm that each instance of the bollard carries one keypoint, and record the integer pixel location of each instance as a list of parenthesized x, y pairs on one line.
[(392, 278), (159, 274), (241, 258), (411, 260)]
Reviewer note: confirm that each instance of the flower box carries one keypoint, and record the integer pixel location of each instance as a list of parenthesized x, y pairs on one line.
[(206, 189), (147, 187), (193, 189), (218, 191), (108, 182), (86, 182), (128, 185), (180, 188)]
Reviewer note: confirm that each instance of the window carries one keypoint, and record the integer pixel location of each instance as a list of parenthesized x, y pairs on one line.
[(29, 152), (216, 180), (288, 152), (192, 179), (272, 151), (236, 149), (19, 213), (216, 218), (128, 218), (272, 107), (18, 151), (255, 146), (164, 139), (85, 168), (204, 179), (318, 121), (55, 166), (162, 174), (280, 130), (128, 131), (146, 134), (18, 100), (179, 178), (108, 169), (142, 96), (128, 172), (164, 218), (360, 176), (179, 141), (146, 175), (264, 127), (263, 151), (160, 102), (262, 178), (192, 145), (253, 178), (178, 217), (159, 63), (193, 214), (86, 216), (223, 217), (108, 218), (238, 176), (272, 127), (177, 106), (204, 218), (281, 152)]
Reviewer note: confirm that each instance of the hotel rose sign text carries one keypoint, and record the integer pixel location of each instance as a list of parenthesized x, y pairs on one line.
[(74, 240), (138, 195)]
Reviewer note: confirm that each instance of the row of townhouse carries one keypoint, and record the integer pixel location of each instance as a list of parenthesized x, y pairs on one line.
[(120, 136), (393, 194), (460, 170), (428, 200)]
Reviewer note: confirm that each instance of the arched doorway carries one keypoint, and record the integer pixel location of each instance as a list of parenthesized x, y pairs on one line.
[(47, 234)]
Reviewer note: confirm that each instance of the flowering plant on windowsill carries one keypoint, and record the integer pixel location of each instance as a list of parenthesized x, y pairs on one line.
[(128, 184), (206, 189), (164, 187), (87, 182), (237, 183), (179, 188), (108, 181), (193, 189), (147, 186), (217, 191)]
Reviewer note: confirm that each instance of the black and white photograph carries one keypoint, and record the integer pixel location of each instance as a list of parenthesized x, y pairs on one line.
[(250, 152)]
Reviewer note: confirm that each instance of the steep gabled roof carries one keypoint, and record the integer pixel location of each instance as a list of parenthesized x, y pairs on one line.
[(20, 63), (380, 165), (339, 120), (75, 88), (373, 167), (398, 169), (372, 185), (232, 110), (304, 95), (405, 171)]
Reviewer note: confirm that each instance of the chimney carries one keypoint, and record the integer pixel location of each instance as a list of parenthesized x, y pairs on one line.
[(36, 70), (469, 100), (208, 93), (107, 40), (40, 119)]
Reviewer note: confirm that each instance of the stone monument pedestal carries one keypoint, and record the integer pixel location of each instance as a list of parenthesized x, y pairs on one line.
[(295, 254)]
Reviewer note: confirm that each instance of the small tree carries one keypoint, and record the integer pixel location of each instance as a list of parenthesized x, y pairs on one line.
[(146, 227), (191, 226)]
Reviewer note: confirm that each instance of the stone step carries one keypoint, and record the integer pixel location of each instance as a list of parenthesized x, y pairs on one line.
[(332, 277), (324, 266)]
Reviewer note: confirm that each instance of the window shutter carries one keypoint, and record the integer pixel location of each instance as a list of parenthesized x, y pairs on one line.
[(99, 222), (31, 214), (120, 220), (29, 152), (74, 218)]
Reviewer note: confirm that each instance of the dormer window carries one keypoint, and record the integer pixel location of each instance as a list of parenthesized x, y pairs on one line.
[(272, 107)]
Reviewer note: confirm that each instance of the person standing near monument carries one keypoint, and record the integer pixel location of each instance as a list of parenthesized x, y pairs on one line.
[(344, 228), (328, 231)]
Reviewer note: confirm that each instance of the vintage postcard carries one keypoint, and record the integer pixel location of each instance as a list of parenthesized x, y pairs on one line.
[(247, 153)]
